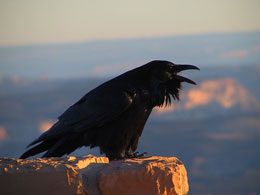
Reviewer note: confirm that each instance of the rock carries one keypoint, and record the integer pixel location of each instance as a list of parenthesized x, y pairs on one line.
[(149, 175), (44, 175), (93, 175)]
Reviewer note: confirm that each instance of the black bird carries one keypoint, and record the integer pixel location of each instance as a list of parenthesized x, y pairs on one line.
[(112, 116)]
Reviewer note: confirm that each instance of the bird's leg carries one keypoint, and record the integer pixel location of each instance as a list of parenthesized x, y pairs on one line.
[(131, 154), (115, 156), (136, 154)]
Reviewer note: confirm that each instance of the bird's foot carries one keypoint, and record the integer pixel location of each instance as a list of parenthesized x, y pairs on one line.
[(128, 154), (135, 155)]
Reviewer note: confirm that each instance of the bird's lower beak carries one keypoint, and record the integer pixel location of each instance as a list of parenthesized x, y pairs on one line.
[(184, 79), (181, 67)]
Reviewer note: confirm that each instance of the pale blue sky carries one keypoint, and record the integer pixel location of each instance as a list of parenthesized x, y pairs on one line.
[(58, 21)]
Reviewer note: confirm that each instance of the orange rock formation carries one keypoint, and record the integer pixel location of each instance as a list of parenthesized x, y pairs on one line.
[(93, 175)]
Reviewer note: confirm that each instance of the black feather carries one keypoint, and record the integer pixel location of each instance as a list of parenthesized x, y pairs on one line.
[(113, 115)]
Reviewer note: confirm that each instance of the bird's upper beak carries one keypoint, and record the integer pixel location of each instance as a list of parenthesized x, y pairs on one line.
[(180, 67)]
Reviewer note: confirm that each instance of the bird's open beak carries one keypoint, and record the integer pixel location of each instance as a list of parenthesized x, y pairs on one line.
[(181, 67)]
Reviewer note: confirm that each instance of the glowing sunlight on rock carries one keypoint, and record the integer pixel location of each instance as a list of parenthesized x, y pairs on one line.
[(45, 125), (3, 133), (225, 92), (14, 78)]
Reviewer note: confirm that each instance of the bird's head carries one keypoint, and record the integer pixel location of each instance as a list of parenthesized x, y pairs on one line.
[(166, 79)]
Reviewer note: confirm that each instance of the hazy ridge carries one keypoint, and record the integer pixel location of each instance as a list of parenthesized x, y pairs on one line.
[(106, 58)]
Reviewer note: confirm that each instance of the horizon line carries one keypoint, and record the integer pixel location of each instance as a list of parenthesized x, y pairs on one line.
[(4, 46)]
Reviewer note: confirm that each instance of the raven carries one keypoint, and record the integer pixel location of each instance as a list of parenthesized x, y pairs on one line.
[(112, 116)]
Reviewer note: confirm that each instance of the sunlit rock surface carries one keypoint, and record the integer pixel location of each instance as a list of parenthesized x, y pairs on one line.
[(93, 175)]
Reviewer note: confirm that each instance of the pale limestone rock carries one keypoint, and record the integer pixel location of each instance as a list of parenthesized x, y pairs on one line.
[(93, 175)]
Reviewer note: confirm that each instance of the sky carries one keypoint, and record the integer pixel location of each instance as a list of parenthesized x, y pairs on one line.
[(61, 21)]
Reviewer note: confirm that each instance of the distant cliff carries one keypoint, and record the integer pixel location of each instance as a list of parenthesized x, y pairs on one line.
[(214, 97), (93, 175)]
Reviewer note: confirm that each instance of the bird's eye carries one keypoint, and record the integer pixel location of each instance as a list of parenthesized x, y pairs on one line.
[(168, 75)]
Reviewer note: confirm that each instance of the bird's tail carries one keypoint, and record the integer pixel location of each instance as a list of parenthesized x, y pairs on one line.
[(56, 147), (38, 149)]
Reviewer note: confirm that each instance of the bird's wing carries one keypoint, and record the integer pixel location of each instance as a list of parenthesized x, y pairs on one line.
[(95, 109)]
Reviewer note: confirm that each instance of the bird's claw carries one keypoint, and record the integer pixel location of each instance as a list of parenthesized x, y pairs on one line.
[(136, 155)]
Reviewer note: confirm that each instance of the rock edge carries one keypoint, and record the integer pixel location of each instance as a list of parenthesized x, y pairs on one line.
[(93, 175)]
